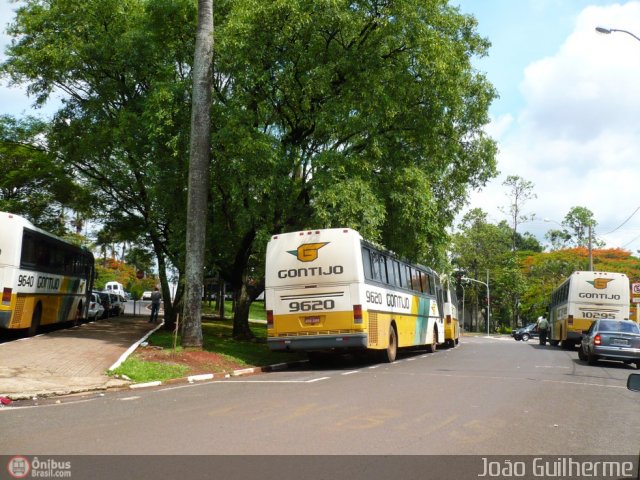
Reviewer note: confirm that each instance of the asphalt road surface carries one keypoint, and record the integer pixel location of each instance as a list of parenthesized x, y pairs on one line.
[(487, 396)]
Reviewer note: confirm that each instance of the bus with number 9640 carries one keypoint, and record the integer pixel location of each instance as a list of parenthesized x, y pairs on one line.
[(43, 279)]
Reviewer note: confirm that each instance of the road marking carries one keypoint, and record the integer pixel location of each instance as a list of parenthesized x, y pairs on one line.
[(126, 399), (550, 366), (350, 372)]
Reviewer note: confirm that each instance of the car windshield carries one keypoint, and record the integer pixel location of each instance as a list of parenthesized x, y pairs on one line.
[(609, 326)]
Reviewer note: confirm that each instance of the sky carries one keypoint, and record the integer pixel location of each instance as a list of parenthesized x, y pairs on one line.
[(568, 116), (567, 119)]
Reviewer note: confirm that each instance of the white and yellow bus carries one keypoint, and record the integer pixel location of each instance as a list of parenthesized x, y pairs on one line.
[(582, 298), (451, 322), (43, 279), (330, 290)]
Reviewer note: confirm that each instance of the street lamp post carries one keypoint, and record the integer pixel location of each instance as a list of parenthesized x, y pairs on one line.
[(608, 31), (488, 297)]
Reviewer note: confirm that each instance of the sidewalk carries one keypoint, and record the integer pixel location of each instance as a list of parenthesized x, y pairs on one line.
[(70, 360)]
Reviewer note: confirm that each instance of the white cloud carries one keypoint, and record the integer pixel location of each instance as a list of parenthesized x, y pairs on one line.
[(578, 137)]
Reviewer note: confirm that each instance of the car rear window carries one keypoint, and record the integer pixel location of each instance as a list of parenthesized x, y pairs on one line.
[(627, 327)]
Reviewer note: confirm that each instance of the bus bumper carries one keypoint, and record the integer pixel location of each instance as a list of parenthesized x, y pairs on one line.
[(575, 337), (319, 342)]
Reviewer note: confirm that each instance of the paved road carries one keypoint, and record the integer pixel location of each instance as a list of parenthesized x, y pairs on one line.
[(488, 396)]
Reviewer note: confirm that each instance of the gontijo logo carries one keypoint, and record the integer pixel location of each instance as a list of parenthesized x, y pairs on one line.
[(307, 252), (600, 283)]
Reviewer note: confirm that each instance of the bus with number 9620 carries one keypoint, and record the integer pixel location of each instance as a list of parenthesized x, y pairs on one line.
[(332, 291)]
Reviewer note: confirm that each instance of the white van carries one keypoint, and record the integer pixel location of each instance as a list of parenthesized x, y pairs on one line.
[(115, 287)]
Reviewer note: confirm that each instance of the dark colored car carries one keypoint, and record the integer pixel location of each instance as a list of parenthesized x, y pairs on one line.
[(105, 300), (611, 340), (525, 333)]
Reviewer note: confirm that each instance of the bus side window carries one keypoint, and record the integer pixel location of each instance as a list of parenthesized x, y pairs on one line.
[(392, 271), (366, 263), (378, 267), (421, 281), (403, 276)]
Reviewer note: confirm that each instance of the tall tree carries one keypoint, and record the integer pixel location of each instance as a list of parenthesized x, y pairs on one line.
[(198, 176), (520, 191), (125, 75), (32, 183), (366, 114)]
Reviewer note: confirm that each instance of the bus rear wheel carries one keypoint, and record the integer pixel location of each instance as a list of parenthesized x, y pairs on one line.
[(35, 320), (433, 346), (391, 352)]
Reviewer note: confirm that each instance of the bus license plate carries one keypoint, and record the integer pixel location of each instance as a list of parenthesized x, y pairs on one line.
[(311, 320)]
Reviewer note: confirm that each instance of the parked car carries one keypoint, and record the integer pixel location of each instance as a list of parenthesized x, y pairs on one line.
[(611, 340), (117, 304), (525, 333), (96, 310), (105, 300), (146, 295)]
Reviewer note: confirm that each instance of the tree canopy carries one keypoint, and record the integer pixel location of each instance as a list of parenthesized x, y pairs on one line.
[(366, 114)]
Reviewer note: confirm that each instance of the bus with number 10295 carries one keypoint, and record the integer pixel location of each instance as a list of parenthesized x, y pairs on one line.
[(583, 297), (43, 279), (332, 291)]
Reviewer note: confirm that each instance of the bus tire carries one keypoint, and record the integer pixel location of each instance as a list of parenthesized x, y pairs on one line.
[(76, 321), (554, 343), (433, 346), (391, 352), (35, 320)]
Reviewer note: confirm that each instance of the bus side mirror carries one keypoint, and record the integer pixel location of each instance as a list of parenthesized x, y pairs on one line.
[(633, 382)]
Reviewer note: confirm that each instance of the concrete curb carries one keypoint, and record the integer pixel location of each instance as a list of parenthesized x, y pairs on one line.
[(133, 348), (219, 376)]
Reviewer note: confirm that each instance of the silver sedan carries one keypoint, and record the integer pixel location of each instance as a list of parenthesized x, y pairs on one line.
[(611, 340)]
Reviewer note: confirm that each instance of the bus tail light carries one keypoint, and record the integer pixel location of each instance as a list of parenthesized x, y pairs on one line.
[(597, 340), (357, 314), (269, 318), (6, 296), (570, 320)]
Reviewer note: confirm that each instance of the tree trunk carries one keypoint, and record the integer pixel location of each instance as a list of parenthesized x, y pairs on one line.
[(198, 176), (241, 328), (220, 299)]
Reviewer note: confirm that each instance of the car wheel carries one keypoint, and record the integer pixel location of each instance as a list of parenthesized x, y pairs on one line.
[(592, 359), (581, 354), (525, 337)]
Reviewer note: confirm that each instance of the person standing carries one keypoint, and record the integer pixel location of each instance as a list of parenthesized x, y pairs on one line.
[(543, 327), (156, 300)]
